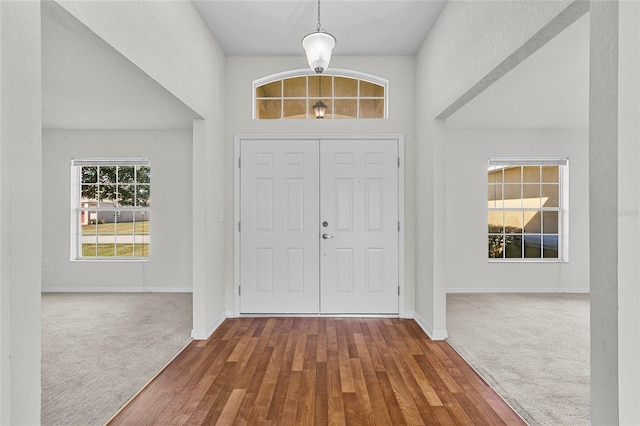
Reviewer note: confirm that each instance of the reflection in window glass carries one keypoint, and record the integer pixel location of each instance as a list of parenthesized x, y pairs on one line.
[(532, 220), (532, 246), (525, 202)]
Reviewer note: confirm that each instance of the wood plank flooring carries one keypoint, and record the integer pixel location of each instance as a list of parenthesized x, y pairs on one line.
[(318, 371)]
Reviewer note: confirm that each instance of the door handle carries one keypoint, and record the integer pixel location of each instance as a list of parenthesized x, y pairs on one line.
[(326, 236)]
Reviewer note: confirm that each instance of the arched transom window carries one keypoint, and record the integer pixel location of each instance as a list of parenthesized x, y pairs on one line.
[(346, 94)]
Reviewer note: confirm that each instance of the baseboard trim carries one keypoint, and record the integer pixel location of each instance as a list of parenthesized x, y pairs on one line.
[(117, 290), (433, 334), (518, 290), (201, 334)]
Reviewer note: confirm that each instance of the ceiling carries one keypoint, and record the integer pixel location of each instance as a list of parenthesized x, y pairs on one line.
[(361, 27), (549, 89), (86, 84), (89, 85)]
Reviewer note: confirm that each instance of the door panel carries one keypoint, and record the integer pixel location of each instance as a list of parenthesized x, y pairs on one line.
[(359, 202), (287, 190), (279, 227)]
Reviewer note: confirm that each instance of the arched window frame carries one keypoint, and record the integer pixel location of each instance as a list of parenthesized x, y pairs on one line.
[(333, 72)]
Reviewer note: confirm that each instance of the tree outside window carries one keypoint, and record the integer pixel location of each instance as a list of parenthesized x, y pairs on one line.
[(113, 212)]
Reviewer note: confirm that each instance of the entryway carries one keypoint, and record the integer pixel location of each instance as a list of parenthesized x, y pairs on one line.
[(319, 227)]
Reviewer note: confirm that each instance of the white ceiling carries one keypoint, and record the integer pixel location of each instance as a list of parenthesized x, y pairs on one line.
[(86, 84), (89, 85), (361, 27), (549, 89)]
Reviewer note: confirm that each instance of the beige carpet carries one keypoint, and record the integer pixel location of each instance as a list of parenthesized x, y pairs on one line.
[(533, 349), (98, 350)]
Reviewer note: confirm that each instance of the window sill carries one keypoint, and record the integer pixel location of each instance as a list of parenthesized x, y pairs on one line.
[(112, 260)]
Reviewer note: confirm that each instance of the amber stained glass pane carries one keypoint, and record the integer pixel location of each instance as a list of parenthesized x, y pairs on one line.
[(320, 85), (270, 90), (295, 87), (371, 108), (345, 87), (295, 108), (371, 90), (268, 108), (346, 108)]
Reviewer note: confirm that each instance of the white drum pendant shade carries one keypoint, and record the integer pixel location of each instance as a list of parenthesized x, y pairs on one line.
[(318, 47)]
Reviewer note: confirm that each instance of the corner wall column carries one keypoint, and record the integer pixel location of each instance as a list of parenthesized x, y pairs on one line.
[(20, 211), (199, 235), (603, 204)]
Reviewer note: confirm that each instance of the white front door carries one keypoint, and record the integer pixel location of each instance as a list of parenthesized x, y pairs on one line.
[(359, 224), (279, 226), (319, 226)]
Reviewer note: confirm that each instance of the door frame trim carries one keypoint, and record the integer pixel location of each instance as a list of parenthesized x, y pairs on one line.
[(237, 140)]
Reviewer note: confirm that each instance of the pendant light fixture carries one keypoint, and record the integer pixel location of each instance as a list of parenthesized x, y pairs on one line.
[(319, 108), (318, 46)]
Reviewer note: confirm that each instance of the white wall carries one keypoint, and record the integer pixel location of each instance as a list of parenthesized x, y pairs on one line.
[(447, 77), (20, 212), (629, 210), (182, 56), (170, 42), (452, 67), (467, 152), (166, 40), (399, 70), (169, 267)]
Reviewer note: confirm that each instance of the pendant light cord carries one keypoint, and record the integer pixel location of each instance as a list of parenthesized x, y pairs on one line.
[(318, 28)]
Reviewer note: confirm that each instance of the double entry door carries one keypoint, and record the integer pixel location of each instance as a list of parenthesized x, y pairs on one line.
[(319, 227)]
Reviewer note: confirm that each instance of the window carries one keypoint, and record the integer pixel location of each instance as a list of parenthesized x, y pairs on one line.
[(111, 209), (527, 205), (346, 94)]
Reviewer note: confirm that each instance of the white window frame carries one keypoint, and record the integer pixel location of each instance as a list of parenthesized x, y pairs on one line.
[(77, 208), (331, 72), (562, 209)]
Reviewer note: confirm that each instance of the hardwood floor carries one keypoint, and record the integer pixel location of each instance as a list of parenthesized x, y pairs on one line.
[(305, 371)]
